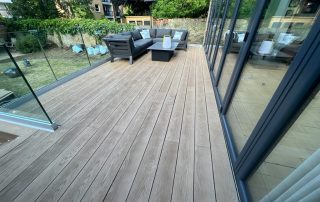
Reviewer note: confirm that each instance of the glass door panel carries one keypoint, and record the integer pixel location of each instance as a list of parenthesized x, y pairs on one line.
[(281, 33), (241, 26), (214, 29), (215, 37), (293, 166), (224, 35)]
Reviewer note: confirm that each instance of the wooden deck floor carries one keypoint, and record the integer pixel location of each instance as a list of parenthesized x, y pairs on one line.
[(143, 132)]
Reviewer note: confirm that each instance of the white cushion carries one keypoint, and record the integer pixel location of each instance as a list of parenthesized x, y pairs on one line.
[(177, 35), (266, 48), (145, 34), (241, 37), (286, 38)]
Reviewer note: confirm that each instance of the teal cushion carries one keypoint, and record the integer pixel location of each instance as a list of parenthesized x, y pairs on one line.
[(145, 34), (177, 35)]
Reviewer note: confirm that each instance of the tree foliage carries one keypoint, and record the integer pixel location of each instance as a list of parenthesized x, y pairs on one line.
[(41, 9), (74, 8), (180, 8), (46, 9)]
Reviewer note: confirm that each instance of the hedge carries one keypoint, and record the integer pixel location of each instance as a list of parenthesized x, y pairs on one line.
[(67, 26)]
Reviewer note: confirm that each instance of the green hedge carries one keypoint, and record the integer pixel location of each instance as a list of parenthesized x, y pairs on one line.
[(67, 26)]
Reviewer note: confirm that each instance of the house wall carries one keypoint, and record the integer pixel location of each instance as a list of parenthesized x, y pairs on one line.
[(100, 14)]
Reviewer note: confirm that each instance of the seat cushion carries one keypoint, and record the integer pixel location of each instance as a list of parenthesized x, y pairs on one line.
[(161, 32), (136, 35), (184, 33), (155, 40), (143, 43)]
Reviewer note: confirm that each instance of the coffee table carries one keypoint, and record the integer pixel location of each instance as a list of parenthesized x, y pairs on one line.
[(158, 53)]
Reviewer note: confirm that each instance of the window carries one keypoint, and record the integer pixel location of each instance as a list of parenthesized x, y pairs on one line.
[(139, 22), (147, 23), (96, 8)]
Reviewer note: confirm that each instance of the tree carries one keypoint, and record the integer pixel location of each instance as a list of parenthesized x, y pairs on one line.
[(180, 8), (41, 9), (115, 7), (74, 8)]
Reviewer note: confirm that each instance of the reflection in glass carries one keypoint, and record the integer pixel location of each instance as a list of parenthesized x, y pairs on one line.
[(224, 35), (293, 165), (270, 56), (241, 26), (215, 37)]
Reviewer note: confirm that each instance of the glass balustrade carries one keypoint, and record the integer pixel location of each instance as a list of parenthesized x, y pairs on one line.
[(44, 58), (18, 102)]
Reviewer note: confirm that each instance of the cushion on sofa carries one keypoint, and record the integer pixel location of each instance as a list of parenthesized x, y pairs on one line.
[(143, 42), (153, 33), (161, 32), (183, 36), (136, 35), (155, 40), (145, 34)]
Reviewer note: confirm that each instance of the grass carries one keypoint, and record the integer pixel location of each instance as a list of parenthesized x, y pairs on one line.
[(63, 62)]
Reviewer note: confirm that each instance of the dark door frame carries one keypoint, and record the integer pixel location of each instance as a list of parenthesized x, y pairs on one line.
[(298, 85)]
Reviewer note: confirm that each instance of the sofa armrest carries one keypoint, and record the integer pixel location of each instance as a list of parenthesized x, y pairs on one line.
[(119, 45)]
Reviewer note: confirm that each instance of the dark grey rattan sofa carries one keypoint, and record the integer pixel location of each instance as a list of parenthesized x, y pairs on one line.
[(131, 44)]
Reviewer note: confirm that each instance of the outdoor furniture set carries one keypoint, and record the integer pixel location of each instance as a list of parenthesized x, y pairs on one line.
[(132, 44)]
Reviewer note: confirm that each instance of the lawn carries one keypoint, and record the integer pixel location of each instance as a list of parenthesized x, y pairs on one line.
[(63, 62)]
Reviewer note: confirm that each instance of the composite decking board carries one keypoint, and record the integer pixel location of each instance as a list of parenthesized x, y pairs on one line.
[(183, 179), (163, 179), (46, 144), (22, 133), (61, 182), (53, 97), (100, 115), (203, 175), (146, 158), (62, 107), (100, 185), (135, 142), (86, 175), (225, 187)]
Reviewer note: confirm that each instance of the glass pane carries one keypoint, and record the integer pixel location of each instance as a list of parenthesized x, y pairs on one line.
[(66, 54), (215, 29), (241, 26), (225, 29), (271, 53), (15, 96), (294, 156), (27, 49), (212, 27), (219, 17), (96, 48)]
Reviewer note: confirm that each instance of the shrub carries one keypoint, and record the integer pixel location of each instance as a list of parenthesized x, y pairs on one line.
[(180, 8), (27, 44), (69, 26)]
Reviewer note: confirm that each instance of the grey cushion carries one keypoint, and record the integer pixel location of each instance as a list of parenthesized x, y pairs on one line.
[(157, 40), (153, 33), (141, 45), (136, 35), (142, 42), (184, 35), (161, 32)]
